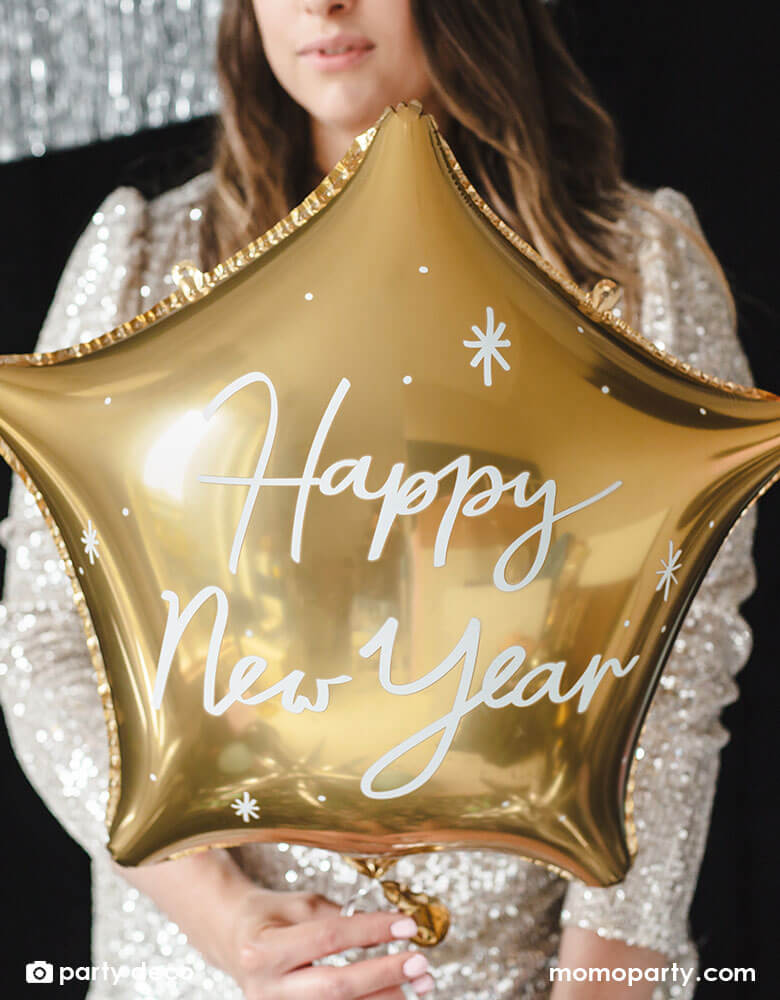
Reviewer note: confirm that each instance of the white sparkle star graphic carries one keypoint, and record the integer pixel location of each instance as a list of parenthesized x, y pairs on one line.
[(670, 566), (90, 541), (487, 345), (246, 807)]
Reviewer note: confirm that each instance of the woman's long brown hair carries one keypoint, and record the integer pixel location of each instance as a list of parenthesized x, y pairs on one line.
[(524, 123)]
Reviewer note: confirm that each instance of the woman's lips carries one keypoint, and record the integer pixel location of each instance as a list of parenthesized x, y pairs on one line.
[(337, 54)]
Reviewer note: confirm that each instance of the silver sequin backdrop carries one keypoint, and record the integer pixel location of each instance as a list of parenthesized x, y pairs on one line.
[(74, 71)]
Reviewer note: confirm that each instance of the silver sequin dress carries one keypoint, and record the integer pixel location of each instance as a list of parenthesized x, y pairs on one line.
[(507, 913)]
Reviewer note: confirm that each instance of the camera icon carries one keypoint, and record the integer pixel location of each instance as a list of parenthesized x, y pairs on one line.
[(39, 972)]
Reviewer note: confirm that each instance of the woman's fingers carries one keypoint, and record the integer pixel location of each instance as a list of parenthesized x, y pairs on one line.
[(419, 987), (283, 949), (423, 986), (281, 935), (372, 977), (264, 908), (302, 906)]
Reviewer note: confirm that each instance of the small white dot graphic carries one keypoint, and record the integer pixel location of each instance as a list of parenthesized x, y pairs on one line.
[(702, 411), (125, 511), (605, 389), (309, 296), (107, 401), (422, 269), (407, 379), (580, 330)]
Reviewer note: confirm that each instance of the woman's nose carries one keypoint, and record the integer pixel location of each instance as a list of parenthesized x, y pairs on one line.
[(325, 7)]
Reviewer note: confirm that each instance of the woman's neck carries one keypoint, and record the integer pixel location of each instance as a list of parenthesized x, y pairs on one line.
[(330, 143)]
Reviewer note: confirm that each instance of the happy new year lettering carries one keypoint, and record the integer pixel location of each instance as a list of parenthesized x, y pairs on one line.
[(401, 495), (499, 671), (244, 674)]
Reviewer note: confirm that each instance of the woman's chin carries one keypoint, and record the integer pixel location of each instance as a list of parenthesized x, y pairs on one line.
[(349, 104)]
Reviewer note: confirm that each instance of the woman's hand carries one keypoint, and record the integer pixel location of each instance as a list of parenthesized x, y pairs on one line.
[(267, 940), (277, 935)]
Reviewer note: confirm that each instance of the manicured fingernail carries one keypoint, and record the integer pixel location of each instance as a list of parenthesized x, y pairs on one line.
[(423, 985), (415, 966), (403, 928)]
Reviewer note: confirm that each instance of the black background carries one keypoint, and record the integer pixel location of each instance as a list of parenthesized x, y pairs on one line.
[(693, 87)]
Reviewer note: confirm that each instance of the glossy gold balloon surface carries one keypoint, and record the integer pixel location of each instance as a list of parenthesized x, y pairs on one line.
[(381, 531)]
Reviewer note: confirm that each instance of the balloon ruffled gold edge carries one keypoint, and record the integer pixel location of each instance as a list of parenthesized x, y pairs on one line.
[(330, 186), (93, 646)]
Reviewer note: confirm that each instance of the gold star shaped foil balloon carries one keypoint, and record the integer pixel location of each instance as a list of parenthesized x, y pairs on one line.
[(382, 530)]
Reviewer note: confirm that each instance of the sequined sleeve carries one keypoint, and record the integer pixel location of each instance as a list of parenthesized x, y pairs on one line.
[(47, 685), (685, 310)]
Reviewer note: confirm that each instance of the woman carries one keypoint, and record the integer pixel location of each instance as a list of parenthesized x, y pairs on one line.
[(300, 78)]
